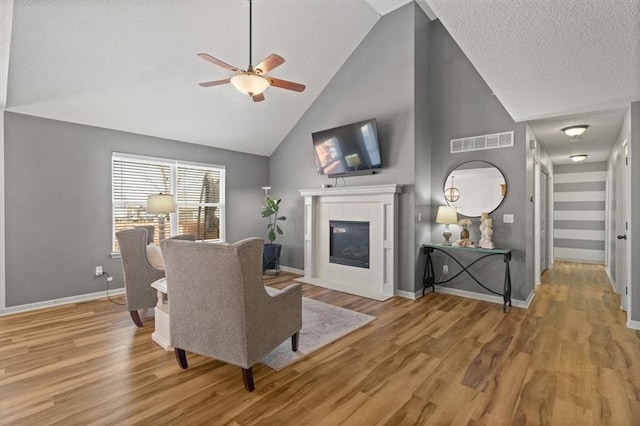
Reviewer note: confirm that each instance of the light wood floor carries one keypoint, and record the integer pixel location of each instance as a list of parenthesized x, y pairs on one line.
[(569, 359)]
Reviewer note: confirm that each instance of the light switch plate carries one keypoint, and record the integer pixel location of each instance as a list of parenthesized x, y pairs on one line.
[(507, 218)]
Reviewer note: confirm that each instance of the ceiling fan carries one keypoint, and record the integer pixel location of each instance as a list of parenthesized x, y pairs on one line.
[(252, 81)]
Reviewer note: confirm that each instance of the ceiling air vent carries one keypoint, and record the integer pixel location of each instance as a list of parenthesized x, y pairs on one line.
[(476, 143)]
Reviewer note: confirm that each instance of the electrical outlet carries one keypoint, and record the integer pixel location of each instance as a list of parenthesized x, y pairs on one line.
[(98, 271), (109, 279), (507, 218), (445, 269)]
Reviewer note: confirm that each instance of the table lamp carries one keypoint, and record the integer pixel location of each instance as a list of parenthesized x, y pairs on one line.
[(447, 215), (161, 204)]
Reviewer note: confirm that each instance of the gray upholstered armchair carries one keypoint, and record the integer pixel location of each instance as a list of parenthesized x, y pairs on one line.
[(139, 273), (220, 308)]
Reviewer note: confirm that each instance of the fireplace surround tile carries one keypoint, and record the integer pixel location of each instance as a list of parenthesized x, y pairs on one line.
[(376, 204)]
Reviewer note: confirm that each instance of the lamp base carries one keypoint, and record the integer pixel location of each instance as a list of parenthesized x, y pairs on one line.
[(446, 234), (161, 234)]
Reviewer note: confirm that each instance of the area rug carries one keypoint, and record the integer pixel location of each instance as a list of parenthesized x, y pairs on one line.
[(321, 324)]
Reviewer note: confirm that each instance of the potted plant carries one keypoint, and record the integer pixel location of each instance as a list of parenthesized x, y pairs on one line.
[(271, 257)]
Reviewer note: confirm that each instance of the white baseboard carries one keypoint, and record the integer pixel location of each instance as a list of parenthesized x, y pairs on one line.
[(486, 297), (57, 302), (527, 302), (292, 270), (611, 280), (634, 325), (409, 294)]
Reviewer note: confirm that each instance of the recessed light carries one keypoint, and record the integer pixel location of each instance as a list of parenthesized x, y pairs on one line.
[(574, 131), (578, 157)]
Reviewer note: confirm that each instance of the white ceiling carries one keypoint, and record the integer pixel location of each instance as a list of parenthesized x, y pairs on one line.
[(132, 65), (560, 60), (596, 142)]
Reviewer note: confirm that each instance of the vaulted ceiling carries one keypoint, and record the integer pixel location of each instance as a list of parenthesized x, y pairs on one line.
[(132, 66)]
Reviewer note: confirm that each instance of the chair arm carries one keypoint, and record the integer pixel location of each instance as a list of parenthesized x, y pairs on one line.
[(287, 295), (284, 311)]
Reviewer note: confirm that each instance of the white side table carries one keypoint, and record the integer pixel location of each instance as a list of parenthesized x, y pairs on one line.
[(161, 335)]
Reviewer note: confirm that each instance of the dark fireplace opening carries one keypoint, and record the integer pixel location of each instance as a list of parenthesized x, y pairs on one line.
[(349, 243)]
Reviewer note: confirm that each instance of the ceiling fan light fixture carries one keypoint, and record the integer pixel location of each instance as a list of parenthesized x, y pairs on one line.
[(249, 83), (578, 157), (574, 131)]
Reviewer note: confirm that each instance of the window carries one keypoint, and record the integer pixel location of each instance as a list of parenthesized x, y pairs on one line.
[(198, 188)]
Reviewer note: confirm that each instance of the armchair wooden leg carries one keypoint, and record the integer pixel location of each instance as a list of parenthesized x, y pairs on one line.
[(181, 357), (135, 316), (294, 342), (247, 378)]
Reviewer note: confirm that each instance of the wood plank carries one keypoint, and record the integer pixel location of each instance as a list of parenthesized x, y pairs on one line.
[(442, 359)]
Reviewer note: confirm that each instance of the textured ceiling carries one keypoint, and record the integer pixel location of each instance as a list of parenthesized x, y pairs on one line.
[(596, 142), (547, 58), (132, 65), (557, 62)]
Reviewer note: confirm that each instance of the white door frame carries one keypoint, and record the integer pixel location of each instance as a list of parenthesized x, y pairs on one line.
[(626, 152), (536, 222), (538, 169)]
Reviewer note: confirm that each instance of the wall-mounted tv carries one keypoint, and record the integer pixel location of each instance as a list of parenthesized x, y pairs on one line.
[(347, 150)]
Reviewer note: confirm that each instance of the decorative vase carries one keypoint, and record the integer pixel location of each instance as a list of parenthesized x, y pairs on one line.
[(464, 234), (271, 259)]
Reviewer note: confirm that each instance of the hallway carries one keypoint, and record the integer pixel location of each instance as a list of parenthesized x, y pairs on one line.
[(584, 358)]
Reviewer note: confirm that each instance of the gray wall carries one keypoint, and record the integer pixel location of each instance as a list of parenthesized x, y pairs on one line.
[(422, 157), (579, 212), (58, 202), (463, 105), (376, 81)]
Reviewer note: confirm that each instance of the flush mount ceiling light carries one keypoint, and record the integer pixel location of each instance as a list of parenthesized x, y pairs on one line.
[(574, 131), (578, 157)]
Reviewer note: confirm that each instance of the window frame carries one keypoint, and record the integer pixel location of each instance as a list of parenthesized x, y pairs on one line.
[(173, 165)]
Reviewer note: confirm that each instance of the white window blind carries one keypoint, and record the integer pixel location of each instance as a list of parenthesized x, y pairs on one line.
[(198, 188)]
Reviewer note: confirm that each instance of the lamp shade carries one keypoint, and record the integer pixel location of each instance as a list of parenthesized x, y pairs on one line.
[(447, 215), (161, 203), (250, 84)]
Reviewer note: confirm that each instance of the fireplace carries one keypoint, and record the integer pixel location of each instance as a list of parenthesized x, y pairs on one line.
[(349, 243), (376, 205)]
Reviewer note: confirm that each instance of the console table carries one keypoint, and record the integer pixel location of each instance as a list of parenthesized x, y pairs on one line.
[(428, 278)]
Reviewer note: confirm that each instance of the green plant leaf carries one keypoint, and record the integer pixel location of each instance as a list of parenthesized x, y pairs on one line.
[(279, 230), (272, 236), (282, 218)]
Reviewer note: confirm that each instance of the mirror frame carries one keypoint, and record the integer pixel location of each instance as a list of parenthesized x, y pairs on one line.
[(454, 168)]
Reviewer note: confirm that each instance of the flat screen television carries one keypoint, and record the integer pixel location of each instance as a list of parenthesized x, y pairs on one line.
[(347, 150)]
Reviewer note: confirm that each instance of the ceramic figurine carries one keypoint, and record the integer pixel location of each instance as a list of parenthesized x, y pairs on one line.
[(486, 231)]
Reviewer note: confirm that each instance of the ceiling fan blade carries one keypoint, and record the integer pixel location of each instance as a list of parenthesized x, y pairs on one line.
[(258, 98), (284, 84), (270, 62), (218, 62), (215, 83)]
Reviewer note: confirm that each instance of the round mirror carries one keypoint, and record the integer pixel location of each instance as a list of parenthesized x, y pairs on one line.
[(475, 187)]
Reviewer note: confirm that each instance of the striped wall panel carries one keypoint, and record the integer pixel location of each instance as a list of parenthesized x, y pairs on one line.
[(579, 212)]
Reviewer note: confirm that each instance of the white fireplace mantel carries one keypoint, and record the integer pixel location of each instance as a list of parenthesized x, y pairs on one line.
[(376, 204)]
